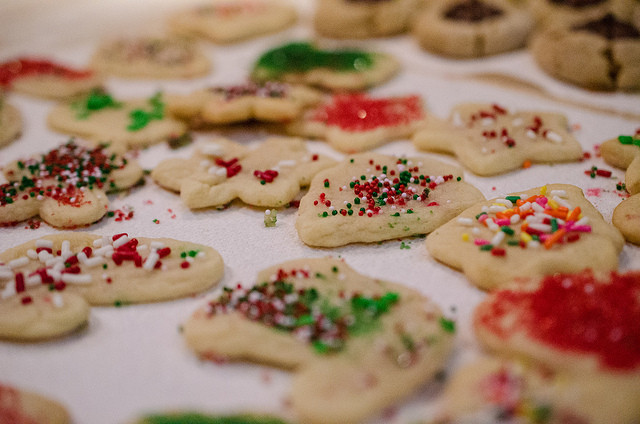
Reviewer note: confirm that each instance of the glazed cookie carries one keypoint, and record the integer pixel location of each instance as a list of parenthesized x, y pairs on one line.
[(122, 125), (626, 218), (363, 18), (66, 186), (472, 28), (337, 70), (18, 406), (229, 21), (356, 344), (489, 139), (498, 390), (10, 122), (48, 283), (196, 418), (269, 101), (356, 122), (151, 57), (270, 175), (624, 152), (599, 53), (44, 78), (537, 232), (373, 197)]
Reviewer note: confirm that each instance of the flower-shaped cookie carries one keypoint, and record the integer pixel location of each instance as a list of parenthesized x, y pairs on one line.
[(372, 197), (47, 285), (488, 139), (537, 232), (67, 186), (356, 344), (270, 175)]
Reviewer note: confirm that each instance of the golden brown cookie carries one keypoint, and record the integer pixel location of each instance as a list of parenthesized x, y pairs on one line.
[(18, 406), (10, 122)]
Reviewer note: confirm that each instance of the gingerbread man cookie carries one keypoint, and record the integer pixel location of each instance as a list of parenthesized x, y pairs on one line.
[(373, 197), (10, 122), (47, 285), (270, 175), (355, 344), (489, 139), (270, 101), (122, 125), (44, 78), (337, 70), (230, 21), (536, 232), (357, 122), (18, 406)]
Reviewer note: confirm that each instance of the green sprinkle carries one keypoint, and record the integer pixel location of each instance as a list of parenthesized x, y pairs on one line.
[(513, 199), (480, 214), (409, 210), (507, 230), (459, 179), (448, 325), (334, 269), (356, 200), (404, 245), (334, 212), (326, 183), (625, 139), (325, 214), (513, 242), (395, 214), (486, 247), (554, 225), (104, 266), (351, 160), (320, 347)]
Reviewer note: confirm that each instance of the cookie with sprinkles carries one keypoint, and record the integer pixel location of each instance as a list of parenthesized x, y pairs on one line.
[(230, 21), (537, 232), (161, 57), (336, 70), (626, 218), (270, 175), (66, 186), (269, 101), (45, 78), (372, 197), (10, 122), (357, 122), (624, 152), (197, 418), (18, 406), (488, 139), (355, 344), (123, 125), (47, 284)]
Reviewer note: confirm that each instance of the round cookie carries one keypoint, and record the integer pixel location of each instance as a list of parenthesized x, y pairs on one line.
[(626, 218), (19, 406), (363, 18), (355, 344), (600, 53), (197, 418), (624, 152), (151, 57), (10, 122), (558, 12), (472, 28)]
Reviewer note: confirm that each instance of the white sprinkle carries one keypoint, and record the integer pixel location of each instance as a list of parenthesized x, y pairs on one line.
[(553, 136), (525, 207), (560, 193), (289, 162), (200, 255), (76, 278), (9, 290), (531, 134), (65, 250), (516, 122), (267, 212), (497, 208), (121, 241), (492, 225), (44, 243), (540, 227), (5, 273), (96, 260), (34, 280), (505, 202), (497, 239), (32, 254), (151, 261), (536, 207), (465, 221), (103, 251), (485, 208), (189, 259), (534, 244), (562, 202), (18, 262), (53, 260), (157, 245), (97, 243), (583, 221), (82, 257), (515, 218), (56, 299), (475, 230)]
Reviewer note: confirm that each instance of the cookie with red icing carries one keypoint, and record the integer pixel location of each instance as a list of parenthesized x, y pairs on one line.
[(66, 187), (47, 285), (472, 28), (489, 139), (372, 197), (45, 78), (10, 122), (270, 175), (355, 344), (357, 122), (18, 406)]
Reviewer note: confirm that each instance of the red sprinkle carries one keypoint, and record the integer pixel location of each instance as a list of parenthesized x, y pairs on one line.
[(26, 300)]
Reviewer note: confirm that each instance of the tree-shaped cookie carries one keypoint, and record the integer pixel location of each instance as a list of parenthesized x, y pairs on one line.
[(270, 175), (122, 125), (337, 70), (536, 232), (489, 139), (373, 197), (18, 406), (67, 186), (47, 285), (356, 344), (269, 101), (357, 122), (10, 122)]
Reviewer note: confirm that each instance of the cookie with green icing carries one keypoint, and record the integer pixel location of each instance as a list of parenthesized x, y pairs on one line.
[(197, 418), (355, 344)]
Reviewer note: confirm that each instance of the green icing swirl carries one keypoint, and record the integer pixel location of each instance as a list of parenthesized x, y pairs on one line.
[(195, 418), (302, 57)]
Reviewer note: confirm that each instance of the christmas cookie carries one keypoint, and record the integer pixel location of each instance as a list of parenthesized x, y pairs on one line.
[(373, 197), (44, 78), (122, 125), (599, 53), (230, 21), (197, 418), (67, 186), (356, 344), (10, 122), (337, 70), (489, 139), (18, 406), (626, 218), (536, 232), (472, 28), (363, 18), (270, 175), (558, 12), (269, 101), (47, 284), (357, 122), (151, 57), (624, 152)]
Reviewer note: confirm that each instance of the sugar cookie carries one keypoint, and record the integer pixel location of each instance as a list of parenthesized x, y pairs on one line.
[(624, 152), (197, 418), (18, 406), (10, 122)]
